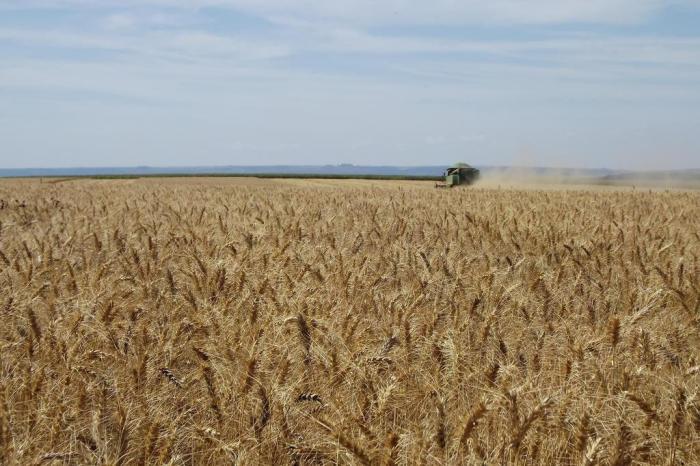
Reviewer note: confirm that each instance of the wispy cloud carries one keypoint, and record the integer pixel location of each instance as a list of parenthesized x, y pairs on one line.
[(350, 78), (180, 43), (130, 21), (408, 11)]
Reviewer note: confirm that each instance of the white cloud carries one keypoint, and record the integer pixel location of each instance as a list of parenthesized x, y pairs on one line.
[(300, 39)]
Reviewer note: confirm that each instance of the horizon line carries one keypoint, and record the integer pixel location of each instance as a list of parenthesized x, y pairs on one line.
[(338, 165)]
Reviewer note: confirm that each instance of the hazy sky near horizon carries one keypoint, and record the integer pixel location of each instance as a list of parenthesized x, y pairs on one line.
[(567, 83)]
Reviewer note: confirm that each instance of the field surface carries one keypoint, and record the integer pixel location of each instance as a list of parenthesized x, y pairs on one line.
[(226, 321)]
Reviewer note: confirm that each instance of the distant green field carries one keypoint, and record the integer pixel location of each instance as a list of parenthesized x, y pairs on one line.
[(254, 175)]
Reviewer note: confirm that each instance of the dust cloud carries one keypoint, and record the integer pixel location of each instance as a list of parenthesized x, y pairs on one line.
[(569, 177)]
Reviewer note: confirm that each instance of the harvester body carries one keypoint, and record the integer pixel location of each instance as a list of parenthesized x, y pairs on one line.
[(460, 174)]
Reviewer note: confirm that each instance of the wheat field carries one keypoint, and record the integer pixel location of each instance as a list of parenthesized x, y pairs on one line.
[(165, 322)]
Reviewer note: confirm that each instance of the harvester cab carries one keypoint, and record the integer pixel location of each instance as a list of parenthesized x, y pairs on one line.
[(460, 174)]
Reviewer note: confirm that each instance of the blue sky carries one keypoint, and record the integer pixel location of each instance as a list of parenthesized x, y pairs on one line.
[(567, 83)]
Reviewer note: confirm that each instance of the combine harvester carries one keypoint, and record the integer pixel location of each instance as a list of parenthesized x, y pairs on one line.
[(460, 174)]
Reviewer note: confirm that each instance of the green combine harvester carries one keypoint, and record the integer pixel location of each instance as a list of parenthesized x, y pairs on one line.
[(459, 175)]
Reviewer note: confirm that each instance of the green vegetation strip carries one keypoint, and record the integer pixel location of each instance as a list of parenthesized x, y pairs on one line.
[(253, 175)]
